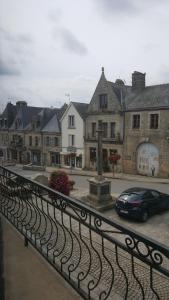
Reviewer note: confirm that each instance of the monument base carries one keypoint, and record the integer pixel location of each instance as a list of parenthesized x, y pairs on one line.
[(99, 196)]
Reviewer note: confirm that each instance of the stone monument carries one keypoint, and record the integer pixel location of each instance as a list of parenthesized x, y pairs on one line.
[(100, 188)]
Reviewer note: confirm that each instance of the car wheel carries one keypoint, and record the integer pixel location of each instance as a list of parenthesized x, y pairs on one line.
[(144, 216)]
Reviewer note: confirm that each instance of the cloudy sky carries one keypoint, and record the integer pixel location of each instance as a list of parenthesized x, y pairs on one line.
[(52, 48)]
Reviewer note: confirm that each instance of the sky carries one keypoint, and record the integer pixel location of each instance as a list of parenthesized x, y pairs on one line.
[(52, 51)]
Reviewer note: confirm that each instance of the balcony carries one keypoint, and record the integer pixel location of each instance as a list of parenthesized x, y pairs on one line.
[(18, 263), (107, 140), (99, 258)]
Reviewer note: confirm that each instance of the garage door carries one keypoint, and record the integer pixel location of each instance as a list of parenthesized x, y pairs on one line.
[(148, 159)]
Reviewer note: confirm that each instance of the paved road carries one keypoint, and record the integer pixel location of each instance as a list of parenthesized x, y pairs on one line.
[(117, 185)]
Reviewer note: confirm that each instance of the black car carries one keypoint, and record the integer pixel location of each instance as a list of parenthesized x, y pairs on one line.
[(140, 203)]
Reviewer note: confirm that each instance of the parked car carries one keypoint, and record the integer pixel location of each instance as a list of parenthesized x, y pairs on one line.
[(140, 203)]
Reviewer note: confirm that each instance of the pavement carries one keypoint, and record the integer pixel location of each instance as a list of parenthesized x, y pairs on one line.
[(130, 177)]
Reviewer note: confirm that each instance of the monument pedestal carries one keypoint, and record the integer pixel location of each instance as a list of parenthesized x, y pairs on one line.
[(100, 193)]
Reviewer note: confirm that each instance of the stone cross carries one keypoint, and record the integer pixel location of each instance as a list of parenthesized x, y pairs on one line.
[(99, 152)]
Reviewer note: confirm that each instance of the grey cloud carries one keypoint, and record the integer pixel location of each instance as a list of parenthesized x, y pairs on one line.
[(70, 42), (125, 7), (16, 52), (8, 69), (116, 6)]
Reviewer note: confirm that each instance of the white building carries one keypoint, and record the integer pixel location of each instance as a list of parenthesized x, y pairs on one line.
[(72, 128)]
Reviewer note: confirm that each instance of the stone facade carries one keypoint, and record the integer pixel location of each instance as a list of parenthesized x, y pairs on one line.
[(105, 106), (134, 138)]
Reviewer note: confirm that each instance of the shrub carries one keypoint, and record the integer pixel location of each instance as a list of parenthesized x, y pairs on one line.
[(59, 181), (71, 184)]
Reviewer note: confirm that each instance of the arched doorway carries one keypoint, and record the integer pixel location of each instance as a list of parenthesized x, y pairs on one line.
[(148, 159)]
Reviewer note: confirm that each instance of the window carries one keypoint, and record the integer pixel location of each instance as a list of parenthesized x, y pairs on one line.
[(71, 121), (5, 122), (47, 141), (36, 141), (93, 154), (104, 129), (17, 123), (112, 129), (56, 141), (136, 122), (71, 140), (30, 140), (154, 121), (38, 124), (94, 129), (103, 101), (155, 194)]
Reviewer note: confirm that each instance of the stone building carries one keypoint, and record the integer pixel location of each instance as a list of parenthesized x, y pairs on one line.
[(106, 105), (31, 134), (146, 144), (6, 120)]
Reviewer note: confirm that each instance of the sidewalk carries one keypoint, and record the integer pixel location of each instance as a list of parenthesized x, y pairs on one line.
[(27, 275), (121, 176)]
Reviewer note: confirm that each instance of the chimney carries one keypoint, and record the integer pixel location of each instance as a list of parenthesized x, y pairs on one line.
[(21, 103), (138, 81)]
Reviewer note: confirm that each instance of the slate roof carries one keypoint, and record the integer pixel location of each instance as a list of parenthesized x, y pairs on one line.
[(81, 108), (52, 126), (152, 97), (25, 114), (9, 113)]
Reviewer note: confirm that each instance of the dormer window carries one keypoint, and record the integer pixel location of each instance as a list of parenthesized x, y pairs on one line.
[(5, 122), (38, 124), (17, 123), (103, 101)]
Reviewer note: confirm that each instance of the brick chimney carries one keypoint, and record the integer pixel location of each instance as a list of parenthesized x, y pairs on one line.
[(138, 81)]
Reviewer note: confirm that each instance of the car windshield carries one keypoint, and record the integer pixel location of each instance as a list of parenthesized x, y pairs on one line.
[(130, 197)]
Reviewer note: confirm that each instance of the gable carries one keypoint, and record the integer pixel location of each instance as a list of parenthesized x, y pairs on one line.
[(104, 87)]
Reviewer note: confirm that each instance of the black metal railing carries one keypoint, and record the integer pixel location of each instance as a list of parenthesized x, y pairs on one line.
[(99, 258), (2, 290)]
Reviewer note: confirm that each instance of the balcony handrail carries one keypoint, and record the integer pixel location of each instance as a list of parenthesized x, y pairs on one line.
[(69, 226)]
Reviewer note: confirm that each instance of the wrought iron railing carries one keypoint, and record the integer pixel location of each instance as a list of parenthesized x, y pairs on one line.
[(2, 295), (99, 258)]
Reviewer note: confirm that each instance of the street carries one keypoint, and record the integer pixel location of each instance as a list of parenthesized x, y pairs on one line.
[(118, 185)]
